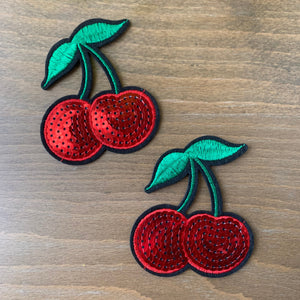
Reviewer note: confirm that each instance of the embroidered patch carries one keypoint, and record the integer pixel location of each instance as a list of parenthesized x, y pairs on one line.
[(165, 240), (76, 129)]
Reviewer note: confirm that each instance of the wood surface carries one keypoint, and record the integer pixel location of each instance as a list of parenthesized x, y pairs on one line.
[(226, 68)]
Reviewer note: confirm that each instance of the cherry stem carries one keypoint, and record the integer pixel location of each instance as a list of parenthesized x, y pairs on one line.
[(85, 89), (212, 183), (213, 186), (192, 188), (107, 67)]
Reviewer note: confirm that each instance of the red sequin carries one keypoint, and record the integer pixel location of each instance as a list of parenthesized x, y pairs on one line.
[(123, 121), (158, 241), (164, 242), (215, 245), (67, 131)]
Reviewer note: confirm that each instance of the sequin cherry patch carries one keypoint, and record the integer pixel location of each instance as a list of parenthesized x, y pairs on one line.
[(77, 129), (166, 241)]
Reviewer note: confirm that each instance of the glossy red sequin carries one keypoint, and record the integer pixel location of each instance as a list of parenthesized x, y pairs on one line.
[(164, 242), (158, 241), (215, 244), (67, 131), (123, 121)]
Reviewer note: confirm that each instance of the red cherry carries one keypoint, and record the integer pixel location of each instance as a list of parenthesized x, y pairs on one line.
[(67, 134), (156, 241), (124, 121), (217, 246)]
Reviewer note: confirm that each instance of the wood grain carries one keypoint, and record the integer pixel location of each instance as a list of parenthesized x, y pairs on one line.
[(226, 68)]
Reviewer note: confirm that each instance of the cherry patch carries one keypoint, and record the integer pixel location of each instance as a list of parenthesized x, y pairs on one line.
[(165, 240), (77, 129)]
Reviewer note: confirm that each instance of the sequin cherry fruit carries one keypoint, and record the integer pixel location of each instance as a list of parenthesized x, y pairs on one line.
[(213, 243), (77, 130), (156, 240), (67, 134)]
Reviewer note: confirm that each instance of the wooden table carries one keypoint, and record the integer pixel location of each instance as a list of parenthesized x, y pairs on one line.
[(225, 68)]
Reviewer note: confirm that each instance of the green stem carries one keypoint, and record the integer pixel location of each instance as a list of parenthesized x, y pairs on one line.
[(108, 68), (192, 188), (84, 88), (213, 187)]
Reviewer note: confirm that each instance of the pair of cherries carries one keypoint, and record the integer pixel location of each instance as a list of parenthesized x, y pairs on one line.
[(166, 241), (76, 129)]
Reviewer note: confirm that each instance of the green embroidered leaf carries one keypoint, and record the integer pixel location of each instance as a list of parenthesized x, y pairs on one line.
[(59, 61), (214, 150), (99, 32), (170, 167)]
